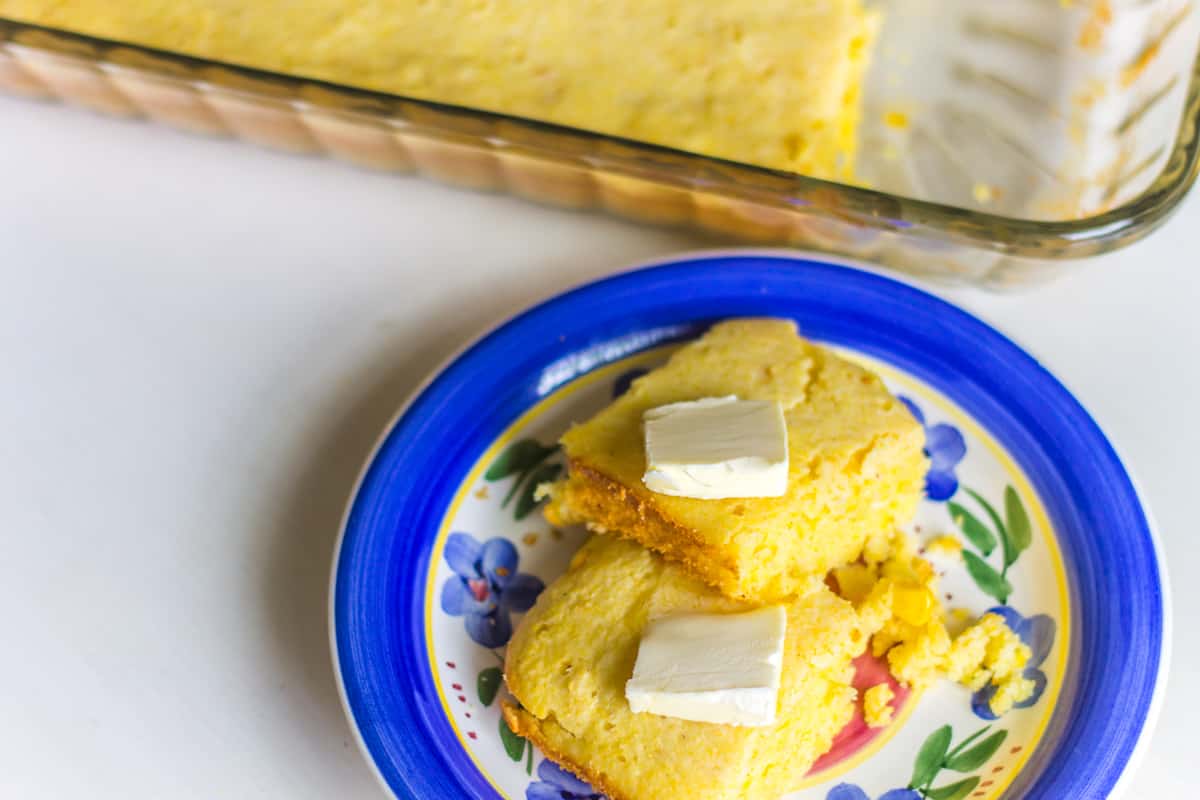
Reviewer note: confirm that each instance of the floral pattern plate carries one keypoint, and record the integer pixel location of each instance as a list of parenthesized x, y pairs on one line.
[(443, 546)]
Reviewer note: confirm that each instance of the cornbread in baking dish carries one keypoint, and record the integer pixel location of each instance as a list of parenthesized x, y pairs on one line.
[(769, 82), (856, 467), (569, 660)]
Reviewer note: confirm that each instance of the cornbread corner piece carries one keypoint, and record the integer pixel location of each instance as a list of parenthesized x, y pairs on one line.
[(570, 658), (855, 464), (786, 97)]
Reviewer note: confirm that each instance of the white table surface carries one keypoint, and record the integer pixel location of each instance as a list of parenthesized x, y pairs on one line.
[(199, 343)]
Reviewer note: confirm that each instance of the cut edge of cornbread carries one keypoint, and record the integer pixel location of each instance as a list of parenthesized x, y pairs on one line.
[(527, 726), (681, 545)]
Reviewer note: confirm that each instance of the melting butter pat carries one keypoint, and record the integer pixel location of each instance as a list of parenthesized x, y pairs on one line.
[(720, 668), (718, 447)]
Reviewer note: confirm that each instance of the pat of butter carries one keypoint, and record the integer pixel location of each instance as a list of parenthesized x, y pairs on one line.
[(721, 668), (716, 448)]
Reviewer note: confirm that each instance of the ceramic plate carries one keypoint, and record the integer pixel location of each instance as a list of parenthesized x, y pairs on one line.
[(444, 547)]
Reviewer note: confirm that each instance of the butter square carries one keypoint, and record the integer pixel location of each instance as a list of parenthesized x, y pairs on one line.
[(719, 668), (715, 448)]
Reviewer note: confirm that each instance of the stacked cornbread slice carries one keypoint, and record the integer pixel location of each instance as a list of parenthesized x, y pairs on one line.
[(854, 472), (569, 661), (855, 465)]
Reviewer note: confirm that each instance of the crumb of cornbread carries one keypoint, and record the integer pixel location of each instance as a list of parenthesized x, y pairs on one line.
[(915, 639), (989, 652), (877, 705), (948, 546), (784, 94), (856, 466), (1010, 692), (571, 655)]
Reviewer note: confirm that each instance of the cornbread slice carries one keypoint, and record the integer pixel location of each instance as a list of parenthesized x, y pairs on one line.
[(570, 657), (856, 467), (768, 82)]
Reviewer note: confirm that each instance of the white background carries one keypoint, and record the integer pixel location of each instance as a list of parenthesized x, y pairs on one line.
[(200, 341)]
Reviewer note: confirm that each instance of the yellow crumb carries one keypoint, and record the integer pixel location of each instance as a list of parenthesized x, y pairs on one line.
[(944, 546), (1134, 71), (877, 705), (1094, 90), (914, 604), (989, 652), (1091, 36), (1009, 693), (896, 119)]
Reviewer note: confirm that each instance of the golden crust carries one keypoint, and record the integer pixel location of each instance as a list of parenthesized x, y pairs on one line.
[(607, 506), (527, 726)]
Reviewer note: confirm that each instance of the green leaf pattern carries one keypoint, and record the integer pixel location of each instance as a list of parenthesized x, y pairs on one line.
[(527, 501), (487, 685), (931, 756), (1013, 532), (954, 791), (936, 755), (975, 531), (518, 457), (990, 510), (986, 578), (977, 756), (526, 459), (1019, 529), (513, 745)]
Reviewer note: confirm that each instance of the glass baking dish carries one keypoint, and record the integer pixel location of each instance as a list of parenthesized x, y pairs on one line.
[(1001, 140)]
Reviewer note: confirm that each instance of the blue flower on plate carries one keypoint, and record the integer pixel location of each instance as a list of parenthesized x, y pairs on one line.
[(558, 784), (848, 791), (486, 587), (945, 447), (1037, 632)]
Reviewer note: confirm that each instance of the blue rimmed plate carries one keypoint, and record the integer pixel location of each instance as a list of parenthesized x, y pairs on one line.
[(443, 549)]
